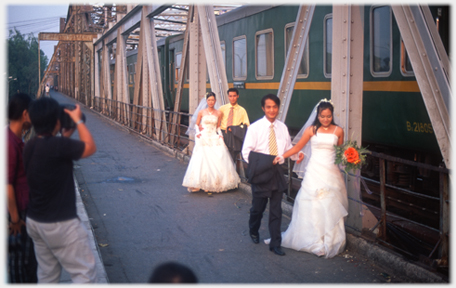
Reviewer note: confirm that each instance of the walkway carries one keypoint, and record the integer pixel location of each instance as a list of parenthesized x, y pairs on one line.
[(142, 217)]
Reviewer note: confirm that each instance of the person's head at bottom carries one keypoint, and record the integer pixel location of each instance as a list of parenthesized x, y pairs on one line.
[(172, 272)]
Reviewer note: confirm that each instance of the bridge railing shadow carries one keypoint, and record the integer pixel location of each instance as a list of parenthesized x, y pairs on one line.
[(412, 219)]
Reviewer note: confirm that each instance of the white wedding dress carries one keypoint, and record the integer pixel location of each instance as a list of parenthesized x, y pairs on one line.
[(317, 222), (211, 168)]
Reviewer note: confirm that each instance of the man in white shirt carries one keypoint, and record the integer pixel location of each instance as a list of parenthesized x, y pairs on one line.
[(47, 90), (268, 136)]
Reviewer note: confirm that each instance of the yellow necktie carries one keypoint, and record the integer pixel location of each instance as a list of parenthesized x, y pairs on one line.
[(229, 122), (272, 142)]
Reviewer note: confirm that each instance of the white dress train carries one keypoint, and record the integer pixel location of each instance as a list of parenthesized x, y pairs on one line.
[(211, 167), (317, 222)]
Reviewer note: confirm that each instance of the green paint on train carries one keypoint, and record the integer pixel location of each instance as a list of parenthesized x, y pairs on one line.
[(392, 117)]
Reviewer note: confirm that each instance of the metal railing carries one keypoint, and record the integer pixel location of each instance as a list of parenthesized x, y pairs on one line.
[(388, 215), (157, 125), (149, 122), (443, 203)]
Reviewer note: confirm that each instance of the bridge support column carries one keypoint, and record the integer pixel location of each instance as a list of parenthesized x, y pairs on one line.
[(120, 79), (213, 52), (155, 83), (197, 66), (347, 96)]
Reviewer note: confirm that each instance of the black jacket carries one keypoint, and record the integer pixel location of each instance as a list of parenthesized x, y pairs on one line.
[(264, 176), (235, 138)]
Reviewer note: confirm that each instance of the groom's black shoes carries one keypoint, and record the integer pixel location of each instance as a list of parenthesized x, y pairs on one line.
[(277, 251), (255, 238)]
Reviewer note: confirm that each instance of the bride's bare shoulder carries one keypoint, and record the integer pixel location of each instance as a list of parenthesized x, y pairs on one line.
[(310, 130)]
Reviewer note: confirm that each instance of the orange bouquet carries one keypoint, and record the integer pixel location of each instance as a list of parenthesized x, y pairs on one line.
[(350, 156)]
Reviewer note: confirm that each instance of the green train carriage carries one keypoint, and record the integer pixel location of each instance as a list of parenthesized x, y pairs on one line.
[(254, 42)]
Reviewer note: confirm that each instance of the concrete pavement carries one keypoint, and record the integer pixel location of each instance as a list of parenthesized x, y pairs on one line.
[(102, 278), (344, 268)]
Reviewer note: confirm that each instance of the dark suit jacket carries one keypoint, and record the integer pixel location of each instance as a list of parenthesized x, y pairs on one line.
[(264, 176), (235, 138)]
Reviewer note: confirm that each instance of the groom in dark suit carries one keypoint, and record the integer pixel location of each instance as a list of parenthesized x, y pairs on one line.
[(266, 139)]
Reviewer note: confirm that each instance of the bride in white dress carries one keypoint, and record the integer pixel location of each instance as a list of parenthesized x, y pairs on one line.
[(317, 222), (210, 168)]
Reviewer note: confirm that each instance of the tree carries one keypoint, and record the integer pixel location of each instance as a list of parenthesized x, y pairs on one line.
[(23, 63)]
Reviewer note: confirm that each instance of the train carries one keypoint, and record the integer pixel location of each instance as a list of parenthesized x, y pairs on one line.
[(254, 41)]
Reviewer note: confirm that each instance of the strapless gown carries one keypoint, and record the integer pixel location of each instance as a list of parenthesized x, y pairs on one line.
[(211, 167), (317, 223)]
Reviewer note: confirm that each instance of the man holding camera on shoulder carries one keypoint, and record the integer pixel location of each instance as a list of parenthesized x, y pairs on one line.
[(60, 239)]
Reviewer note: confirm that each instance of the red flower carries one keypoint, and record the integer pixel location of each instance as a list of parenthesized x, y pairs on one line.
[(352, 155)]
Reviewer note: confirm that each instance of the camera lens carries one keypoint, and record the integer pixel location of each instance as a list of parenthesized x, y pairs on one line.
[(65, 119)]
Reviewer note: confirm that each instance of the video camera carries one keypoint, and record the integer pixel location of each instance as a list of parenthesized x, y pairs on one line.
[(65, 119)]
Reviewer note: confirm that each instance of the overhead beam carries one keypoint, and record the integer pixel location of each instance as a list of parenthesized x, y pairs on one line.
[(84, 37), (130, 22)]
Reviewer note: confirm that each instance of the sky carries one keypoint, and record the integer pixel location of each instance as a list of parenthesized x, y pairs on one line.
[(34, 19)]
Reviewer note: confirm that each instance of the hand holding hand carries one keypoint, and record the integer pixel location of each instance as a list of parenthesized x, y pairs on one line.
[(300, 157), (278, 159)]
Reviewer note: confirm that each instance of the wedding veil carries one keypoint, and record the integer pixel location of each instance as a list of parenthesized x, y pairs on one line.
[(300, 168), (201, 106)]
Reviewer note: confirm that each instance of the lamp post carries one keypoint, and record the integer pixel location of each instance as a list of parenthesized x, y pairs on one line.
[(10, 78)]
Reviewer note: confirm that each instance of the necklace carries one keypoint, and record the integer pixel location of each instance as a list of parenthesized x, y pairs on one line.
[(325, 128), (210, 113)]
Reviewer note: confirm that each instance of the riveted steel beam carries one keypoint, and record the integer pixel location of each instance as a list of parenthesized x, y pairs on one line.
[(84, 37), (431, 68), (294, 56)]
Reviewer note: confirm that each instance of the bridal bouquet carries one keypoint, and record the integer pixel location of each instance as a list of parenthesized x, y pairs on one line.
[(350, 156)]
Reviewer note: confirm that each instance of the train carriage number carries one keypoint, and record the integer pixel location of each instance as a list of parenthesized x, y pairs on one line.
[(419, 127)]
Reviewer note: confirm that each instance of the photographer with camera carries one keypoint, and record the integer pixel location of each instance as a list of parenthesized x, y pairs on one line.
[(60, 239)]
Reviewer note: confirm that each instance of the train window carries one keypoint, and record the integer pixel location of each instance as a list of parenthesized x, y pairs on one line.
[(111, 73), (406, 65), (327, 45), (100, 64), (240, 58), (381, 41), (264, 50), (303, 70), (129, 74), (223, 46), (177, 66), (132, 72)]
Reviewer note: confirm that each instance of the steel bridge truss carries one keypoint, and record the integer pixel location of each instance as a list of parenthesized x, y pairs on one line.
[(83, 66)]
